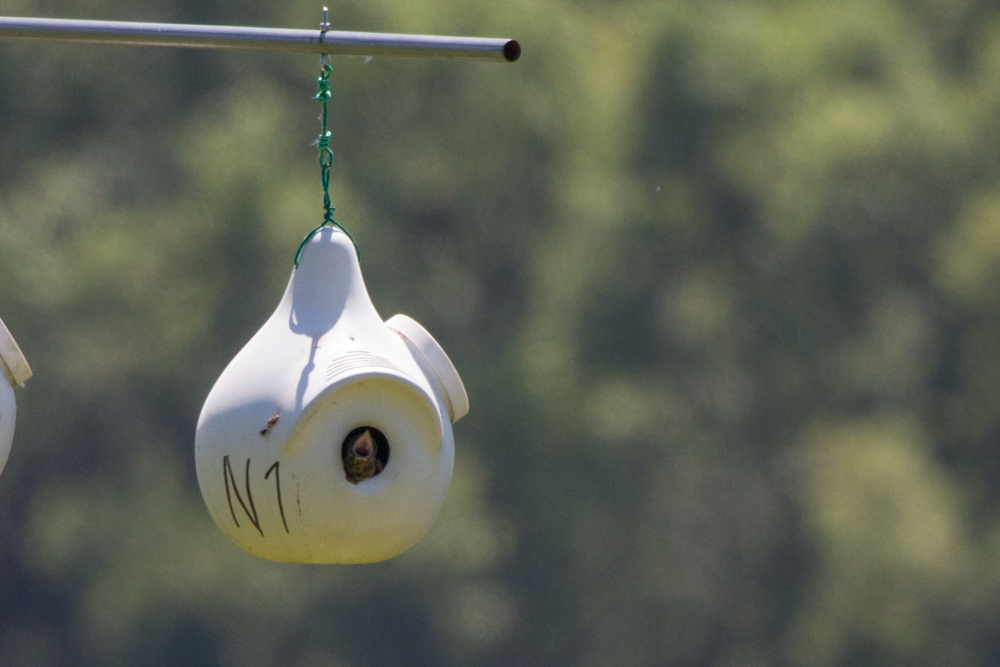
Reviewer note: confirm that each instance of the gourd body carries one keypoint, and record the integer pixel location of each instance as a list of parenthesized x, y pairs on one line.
[(8, 414), (269, 441), (14, 370)]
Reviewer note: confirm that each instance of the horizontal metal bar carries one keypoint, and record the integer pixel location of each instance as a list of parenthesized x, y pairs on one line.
[(334, 42)]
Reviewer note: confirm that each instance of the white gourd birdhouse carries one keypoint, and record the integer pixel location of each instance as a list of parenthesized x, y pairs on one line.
[(14, 371), (274, 441)]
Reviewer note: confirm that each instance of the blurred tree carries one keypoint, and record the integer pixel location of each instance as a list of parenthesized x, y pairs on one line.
[(719, 277)]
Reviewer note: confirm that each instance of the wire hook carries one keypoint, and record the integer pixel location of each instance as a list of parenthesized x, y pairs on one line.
[(323, 27)]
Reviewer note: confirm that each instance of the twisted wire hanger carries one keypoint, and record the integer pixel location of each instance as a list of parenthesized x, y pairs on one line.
[(325, 152)]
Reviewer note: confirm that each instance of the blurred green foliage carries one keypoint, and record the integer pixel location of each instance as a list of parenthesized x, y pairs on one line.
[(721, 279)]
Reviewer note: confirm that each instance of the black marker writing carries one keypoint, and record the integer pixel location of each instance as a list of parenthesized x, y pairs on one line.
[(277, 485), (227, 474)]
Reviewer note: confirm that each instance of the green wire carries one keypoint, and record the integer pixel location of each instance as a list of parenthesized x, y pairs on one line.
[(325, 162)]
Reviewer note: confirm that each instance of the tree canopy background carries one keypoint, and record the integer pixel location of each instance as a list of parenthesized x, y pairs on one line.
[(721, 279)]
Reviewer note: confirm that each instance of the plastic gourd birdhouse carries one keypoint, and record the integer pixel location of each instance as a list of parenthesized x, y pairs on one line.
[(14, 370), (328, 437)]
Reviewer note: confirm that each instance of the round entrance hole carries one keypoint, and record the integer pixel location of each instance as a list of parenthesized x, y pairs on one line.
[(365, 453)]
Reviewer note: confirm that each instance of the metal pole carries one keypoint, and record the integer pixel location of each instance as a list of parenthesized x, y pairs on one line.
[(333, 42)]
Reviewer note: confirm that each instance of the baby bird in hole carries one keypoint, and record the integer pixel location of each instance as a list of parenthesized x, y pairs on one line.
[(361, 457)]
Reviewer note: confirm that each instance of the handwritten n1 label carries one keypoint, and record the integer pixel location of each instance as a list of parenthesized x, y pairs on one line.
[(229, 479)]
